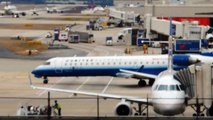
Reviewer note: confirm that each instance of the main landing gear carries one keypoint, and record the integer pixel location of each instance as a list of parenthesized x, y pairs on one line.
[(142, 82), (45, 81)]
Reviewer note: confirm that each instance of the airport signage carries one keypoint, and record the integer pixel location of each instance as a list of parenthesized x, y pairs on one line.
[(185, 45)]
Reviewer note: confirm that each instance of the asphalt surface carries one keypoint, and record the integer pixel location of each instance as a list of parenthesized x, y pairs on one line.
[(5, 53), (14, 78)]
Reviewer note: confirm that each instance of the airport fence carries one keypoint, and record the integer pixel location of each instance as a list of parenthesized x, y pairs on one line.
[(94, 108)]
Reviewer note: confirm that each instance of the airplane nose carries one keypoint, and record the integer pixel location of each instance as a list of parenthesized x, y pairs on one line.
[(33, 72), (36, 73)]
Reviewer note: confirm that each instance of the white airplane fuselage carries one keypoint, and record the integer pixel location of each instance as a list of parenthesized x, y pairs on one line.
[(9, 9), (168, 96), (111, 65)]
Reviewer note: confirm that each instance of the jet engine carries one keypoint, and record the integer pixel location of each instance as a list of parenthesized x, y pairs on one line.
[(123, 109), (23, 14), (184, 60)]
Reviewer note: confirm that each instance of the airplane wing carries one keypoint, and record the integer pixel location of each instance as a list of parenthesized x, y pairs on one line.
[(139, 74), (126, 98)]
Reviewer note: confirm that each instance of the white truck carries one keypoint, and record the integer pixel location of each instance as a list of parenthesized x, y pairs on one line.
[(63, 36)]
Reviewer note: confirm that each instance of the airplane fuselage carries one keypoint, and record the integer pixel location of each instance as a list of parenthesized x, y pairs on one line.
[(168, 95), (111, 65), (102, 66)]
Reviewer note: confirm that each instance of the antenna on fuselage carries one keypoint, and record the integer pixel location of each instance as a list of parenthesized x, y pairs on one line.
[(170, 48)]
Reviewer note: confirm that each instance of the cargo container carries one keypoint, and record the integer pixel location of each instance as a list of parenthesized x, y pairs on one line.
[(74, 38)]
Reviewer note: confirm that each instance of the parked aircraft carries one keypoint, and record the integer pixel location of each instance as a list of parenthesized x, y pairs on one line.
[(118, 66), (12, 10), (54, 10), (168, 95), (63, 8)]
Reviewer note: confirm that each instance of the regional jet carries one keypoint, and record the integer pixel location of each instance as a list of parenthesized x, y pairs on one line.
[(117, 66)]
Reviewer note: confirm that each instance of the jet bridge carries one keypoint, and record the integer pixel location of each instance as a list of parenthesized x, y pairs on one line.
[(197, 80)]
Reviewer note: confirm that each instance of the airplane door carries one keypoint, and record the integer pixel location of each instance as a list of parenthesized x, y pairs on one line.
[(58, 65)]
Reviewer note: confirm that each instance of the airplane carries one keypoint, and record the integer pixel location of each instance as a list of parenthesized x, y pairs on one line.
[(63, 8), (168, 95), (54, 10), (12, 10), (119, 66)]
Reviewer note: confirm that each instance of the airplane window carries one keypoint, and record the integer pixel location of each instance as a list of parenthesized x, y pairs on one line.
[(46, 63), (172, 87), (163, 87)]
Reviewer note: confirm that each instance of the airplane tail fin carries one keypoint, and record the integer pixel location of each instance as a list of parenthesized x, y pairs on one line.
[(170, 48)]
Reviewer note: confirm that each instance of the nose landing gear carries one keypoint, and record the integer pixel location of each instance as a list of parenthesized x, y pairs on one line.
[(45, 81)]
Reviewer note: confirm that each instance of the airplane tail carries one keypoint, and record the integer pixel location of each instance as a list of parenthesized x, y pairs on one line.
[(170, 48)]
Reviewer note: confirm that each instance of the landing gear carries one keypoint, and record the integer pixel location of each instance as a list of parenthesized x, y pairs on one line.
[(142, 110), (141, 83), (199, 109), (45, 81)]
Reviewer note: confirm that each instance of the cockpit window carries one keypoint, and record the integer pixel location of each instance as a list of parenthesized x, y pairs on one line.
[(46, 63), (163, 87), (172, 87), (178, 88)]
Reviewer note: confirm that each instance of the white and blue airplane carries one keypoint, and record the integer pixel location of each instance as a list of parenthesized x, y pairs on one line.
[(168, 95), (118, 66)]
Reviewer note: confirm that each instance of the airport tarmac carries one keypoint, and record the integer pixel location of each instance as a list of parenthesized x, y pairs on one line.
[(15, 90)]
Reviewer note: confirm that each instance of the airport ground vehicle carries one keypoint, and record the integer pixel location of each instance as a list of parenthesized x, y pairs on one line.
[(63, 36), (74, 38), (109, 41)]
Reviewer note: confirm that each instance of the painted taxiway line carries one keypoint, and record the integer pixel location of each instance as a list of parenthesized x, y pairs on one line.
[(81, 85), (104, 90), (41, 92)]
